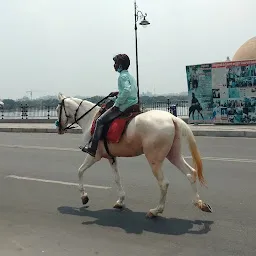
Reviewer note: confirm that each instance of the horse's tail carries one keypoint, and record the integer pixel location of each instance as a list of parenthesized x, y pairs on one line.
[(185, 129), (195, 155)]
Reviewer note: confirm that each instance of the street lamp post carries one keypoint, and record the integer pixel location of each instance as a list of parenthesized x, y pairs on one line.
[(138, 15)]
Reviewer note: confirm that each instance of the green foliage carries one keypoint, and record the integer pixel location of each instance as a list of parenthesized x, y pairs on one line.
[(52, 102)]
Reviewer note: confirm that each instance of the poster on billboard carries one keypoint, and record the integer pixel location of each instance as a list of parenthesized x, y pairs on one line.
[(232, 87), (199, 79)]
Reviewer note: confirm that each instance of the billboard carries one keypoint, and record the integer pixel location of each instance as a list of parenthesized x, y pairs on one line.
[(223, 92)]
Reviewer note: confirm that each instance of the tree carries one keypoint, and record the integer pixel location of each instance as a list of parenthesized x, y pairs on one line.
[(52, 102)]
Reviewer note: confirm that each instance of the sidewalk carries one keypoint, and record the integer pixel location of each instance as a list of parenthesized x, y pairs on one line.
[(248, 131)]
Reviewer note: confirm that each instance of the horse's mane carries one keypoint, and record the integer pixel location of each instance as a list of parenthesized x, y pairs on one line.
[(78, 101)]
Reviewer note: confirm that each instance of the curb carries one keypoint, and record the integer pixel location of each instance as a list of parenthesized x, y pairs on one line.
[(226, 133)]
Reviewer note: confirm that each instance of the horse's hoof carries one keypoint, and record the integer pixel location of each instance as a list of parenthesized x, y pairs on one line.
[(85, 199), (206, 208), (203, 206), (118, 206), (150, 215)]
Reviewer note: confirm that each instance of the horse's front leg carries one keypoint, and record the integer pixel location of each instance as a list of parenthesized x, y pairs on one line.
[(88, 162), (121, 194)]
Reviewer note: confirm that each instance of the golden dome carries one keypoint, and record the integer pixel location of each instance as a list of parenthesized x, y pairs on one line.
[(247, 51)]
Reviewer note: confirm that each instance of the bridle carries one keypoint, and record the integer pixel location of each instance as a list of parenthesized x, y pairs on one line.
[(62, 106)]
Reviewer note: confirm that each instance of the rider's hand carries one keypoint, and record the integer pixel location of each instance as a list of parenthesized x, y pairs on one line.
[(115, 108), (113, 94)]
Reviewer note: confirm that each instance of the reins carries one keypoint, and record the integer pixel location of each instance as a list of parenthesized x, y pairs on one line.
[(76, 120)]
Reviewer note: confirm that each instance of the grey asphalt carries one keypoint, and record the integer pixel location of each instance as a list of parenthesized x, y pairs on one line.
[(39, 218)]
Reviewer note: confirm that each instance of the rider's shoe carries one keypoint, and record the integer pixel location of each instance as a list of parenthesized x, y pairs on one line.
[(89, 150)]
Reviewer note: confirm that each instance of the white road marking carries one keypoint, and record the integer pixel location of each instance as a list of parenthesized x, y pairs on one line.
[(54, 181), (39, 147), (210, 158), (221, 138), (19, 246), (223, 159)]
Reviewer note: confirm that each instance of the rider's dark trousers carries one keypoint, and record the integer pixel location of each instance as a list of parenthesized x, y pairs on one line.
[(105, 118)]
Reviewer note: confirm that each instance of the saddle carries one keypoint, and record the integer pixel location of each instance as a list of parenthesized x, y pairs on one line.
[(113, 131)]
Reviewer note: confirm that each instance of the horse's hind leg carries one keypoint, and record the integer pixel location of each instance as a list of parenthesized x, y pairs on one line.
[(155, 159), (191, 174), (179, 161), (176, 158), (121, 193), (163, 185)]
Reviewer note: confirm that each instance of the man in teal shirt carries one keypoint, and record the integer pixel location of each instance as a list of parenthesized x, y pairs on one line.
[(127, 97)]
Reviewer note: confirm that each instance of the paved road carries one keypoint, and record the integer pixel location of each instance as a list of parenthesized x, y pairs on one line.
[(39, 218)]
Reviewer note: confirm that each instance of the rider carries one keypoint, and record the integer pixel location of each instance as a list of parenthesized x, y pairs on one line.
[(127, 96)]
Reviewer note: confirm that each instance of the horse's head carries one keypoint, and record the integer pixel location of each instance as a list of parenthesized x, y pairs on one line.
[(66, 112), (73, 110)]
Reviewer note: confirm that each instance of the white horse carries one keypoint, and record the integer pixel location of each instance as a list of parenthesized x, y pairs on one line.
[(156, 134)]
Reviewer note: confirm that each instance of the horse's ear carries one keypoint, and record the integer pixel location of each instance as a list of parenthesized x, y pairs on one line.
[(61, 96)]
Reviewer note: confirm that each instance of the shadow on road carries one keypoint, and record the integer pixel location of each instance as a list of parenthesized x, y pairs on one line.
[(135, 222)]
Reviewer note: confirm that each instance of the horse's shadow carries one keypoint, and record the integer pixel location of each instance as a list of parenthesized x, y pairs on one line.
[(136, 223)]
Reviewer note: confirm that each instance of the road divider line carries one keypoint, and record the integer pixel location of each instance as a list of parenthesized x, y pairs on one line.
[(223, 159), (39, 147), (53, 181), (210, 158)]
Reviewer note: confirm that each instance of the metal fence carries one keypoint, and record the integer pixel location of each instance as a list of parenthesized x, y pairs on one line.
[(181, 106), (46, 112), (27, 112)]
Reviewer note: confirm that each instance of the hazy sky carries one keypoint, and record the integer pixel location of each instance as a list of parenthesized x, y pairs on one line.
[(68, 45)]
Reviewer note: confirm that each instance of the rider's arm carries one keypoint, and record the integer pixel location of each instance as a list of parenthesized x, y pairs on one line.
[(124, 92)]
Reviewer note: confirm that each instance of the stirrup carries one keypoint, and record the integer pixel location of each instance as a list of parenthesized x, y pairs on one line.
[(88, 150)]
